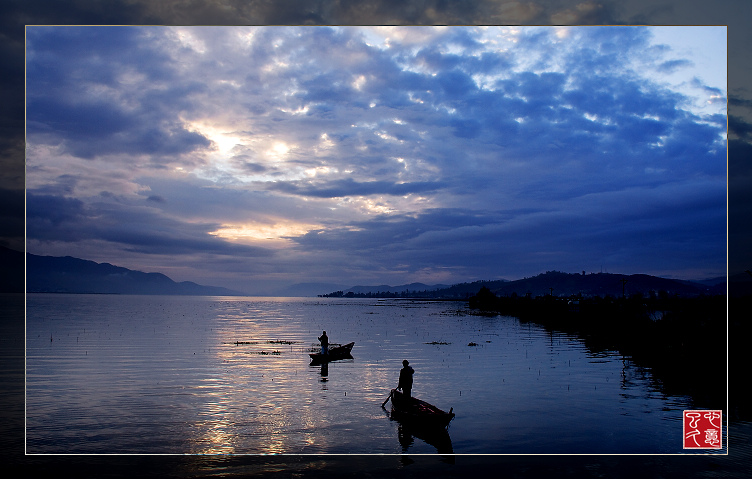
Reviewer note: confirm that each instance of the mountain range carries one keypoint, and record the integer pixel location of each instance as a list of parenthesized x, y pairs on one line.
[(556, 283), (73, 275), (55, 274)]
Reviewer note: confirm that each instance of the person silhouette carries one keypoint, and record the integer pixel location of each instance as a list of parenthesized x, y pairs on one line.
[(324, 343), (406, 378)]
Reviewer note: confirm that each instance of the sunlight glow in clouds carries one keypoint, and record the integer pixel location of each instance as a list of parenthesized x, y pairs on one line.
[(394, 153), (225, 141), (278, 151), (259, 232)]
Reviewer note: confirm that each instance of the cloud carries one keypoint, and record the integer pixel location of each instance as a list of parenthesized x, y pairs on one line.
[(78, 93), (671, 66), (51, 218), (350, 187), (371, 149)]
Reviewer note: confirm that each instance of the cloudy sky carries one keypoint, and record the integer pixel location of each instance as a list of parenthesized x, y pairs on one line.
[(258, 157)]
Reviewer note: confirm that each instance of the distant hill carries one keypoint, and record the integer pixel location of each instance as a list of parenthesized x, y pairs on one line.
[(556, 283), (54, 274), (605, 284)]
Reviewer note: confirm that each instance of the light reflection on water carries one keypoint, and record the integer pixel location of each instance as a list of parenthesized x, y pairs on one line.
[(140, 374)]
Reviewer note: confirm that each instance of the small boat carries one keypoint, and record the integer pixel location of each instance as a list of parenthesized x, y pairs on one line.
[(336, 352), (418, 413)]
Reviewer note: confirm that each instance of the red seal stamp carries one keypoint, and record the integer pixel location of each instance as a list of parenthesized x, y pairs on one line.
[(702, 429)]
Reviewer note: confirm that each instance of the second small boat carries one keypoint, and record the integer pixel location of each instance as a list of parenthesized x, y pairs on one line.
[(336, 352)]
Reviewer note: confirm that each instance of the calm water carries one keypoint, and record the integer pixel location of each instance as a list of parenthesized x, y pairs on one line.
[(145, 374)]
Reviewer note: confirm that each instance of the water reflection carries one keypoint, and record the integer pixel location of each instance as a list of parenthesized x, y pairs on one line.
[(203, 375), (438, 438)]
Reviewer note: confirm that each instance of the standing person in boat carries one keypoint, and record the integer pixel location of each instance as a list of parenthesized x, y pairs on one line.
[(324, 343), (406, 378)]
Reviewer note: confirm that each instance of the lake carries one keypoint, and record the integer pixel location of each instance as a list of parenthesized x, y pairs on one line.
[(110, 374)]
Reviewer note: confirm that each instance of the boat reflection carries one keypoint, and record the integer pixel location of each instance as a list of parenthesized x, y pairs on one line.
[(438, 437)]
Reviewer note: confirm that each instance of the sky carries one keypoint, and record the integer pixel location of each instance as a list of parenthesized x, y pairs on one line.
[(258, 157)]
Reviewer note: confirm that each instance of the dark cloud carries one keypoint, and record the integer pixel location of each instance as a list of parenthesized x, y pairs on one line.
[(519, 240), (98, 129), (78, 93), (52, 218), (389, 236), (350, 187)]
